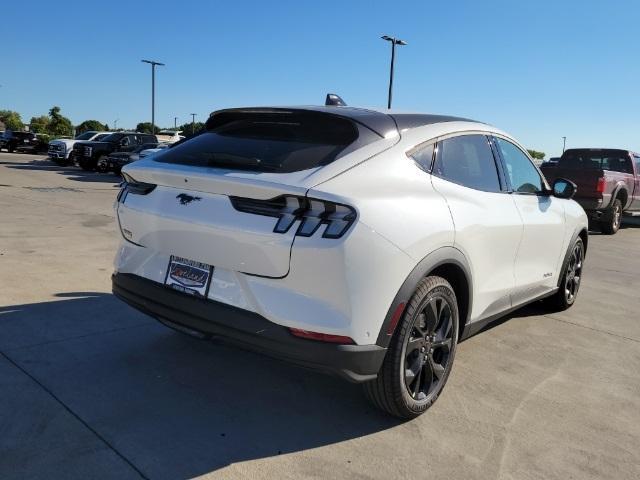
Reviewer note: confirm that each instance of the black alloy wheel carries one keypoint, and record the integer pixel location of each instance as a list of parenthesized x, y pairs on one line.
[(570, 280), (428, 348), (573, 276), (421, 352)]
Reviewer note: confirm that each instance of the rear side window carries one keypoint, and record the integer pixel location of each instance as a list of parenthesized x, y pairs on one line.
[(636, 159), (423, 156), (468, 161), (524, 177), (269, 141)]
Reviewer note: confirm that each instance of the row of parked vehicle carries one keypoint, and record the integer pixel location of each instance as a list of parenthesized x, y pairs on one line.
[(92, 150), (109, 151), (607, 180), (22, 142)]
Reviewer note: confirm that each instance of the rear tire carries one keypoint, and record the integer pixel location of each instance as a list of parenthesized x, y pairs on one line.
[(611, 226), (421, 352), (101, 165), (570, 281)]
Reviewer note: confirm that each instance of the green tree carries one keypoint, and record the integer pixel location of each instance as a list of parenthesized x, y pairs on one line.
[(536, 155), (186, 128), (59, 124), (11, 120), (39, 124), (91, 125), (145, 127)]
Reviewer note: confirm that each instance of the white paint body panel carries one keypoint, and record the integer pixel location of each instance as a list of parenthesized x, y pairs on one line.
[(345, 286)]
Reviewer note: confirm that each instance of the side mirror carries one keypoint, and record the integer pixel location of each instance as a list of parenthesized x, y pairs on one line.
[(563, 188)]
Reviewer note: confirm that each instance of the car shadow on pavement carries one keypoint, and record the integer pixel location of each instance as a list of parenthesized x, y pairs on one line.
[(532, 310), (71, 172), (174, 406)]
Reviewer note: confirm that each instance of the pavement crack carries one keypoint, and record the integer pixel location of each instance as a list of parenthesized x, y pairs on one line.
[(593, 329), (75, 415)]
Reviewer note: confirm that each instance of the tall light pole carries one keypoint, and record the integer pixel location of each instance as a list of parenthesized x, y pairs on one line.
[(115, 124), (394, 41), (564, 144), (193, 123), (153, 64), (175, 123)]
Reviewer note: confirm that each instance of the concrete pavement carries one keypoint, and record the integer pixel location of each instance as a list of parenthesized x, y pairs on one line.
[(89, 388)]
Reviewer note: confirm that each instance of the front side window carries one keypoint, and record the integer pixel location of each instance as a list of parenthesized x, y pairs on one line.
[(524, 177), (636, 159), (467, 160)]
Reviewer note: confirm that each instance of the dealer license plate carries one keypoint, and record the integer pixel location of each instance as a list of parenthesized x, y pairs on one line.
[(188, 276)]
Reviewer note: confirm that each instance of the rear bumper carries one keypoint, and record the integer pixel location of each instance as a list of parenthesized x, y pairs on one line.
[(356, 363)]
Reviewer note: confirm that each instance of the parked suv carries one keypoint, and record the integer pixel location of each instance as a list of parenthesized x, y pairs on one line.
[(88, 154), (608, 183), (358, 242), (61, 149), (21, 141)]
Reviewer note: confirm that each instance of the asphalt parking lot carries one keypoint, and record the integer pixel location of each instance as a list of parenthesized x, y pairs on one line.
[(89, 388)]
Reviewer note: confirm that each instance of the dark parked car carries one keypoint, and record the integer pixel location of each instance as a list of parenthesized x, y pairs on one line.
[(116, 160), (22, 141), (88, 154), (608, 183)]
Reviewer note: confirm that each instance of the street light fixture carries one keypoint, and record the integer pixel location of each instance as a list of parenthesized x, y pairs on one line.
[(394, 41), (564, 143), (153, 64)]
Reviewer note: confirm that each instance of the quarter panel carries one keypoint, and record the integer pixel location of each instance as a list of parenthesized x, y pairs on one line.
[(395, 198)]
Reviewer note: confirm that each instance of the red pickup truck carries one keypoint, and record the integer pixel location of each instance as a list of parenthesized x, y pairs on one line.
[(608, 183)]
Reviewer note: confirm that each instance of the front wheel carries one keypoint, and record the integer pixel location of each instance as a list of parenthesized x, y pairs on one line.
[(421, 352), (570, 280)]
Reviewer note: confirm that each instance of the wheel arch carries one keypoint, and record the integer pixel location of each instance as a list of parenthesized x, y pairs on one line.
[(621, 194), (447, 262), (584, 236)]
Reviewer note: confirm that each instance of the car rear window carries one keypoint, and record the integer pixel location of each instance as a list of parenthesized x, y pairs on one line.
[(269, 141), (614, 160)]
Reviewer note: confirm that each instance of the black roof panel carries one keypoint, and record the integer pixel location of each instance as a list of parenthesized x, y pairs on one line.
[(378, 121)]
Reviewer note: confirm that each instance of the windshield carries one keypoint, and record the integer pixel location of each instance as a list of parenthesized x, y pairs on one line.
[(267, 142), (100, 137), (85, 135)]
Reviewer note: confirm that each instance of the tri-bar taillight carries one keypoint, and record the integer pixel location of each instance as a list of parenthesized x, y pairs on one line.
[(601, 185), (129, 185), (312, 213)]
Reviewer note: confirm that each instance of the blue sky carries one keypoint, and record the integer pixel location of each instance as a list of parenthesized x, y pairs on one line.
[(539, 70)]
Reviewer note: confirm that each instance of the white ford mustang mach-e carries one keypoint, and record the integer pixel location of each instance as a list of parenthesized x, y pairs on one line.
[(364, 243)]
